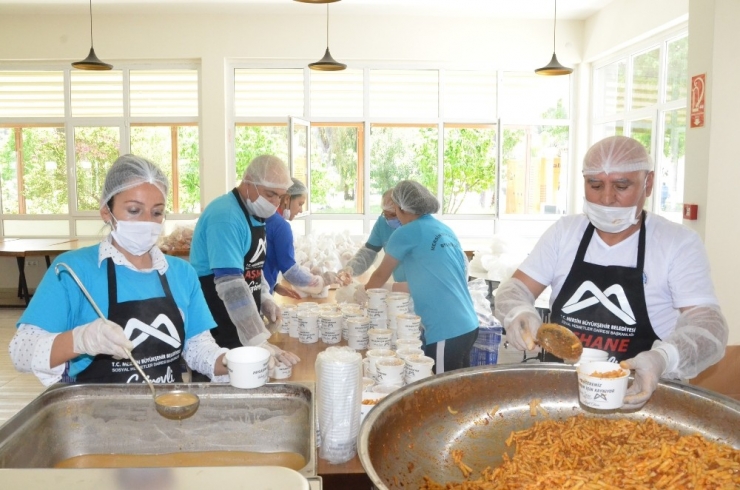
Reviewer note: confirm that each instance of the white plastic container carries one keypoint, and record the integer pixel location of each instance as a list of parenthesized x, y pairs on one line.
[(599, 392), (247, 366)]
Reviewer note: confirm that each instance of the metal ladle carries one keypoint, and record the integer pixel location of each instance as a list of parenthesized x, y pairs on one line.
[(560, 342), (174, 405)]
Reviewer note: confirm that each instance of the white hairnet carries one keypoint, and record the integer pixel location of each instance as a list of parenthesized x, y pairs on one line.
[(616, 154), (129, 171), (414, 198), (386, 201), (297, 189), (268, 171)]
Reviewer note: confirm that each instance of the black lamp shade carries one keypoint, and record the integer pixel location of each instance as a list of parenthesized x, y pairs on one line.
[(327, 63), (92, 63), (554, 68)]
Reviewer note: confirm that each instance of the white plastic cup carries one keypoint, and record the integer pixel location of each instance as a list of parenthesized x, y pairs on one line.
[(357, 326), (295, 325), (592, 355), (379, 338), (367, 384), (408, 344), (389, 370), (308, 330), (376, 298), (397, 303), (307, 305), (331, 327), (287, 311), (366, 373), (599, 392), (372, 355), (281, 371), (358, 342), (409, 351), (417, 367), (248, 366), (350, 311), (408, 326)]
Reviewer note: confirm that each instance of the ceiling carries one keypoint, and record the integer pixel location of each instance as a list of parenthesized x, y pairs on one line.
[(515, 9)]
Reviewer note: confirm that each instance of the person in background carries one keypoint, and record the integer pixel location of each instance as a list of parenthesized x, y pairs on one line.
[(436, 273), (624, 280), (280, 250), (384, 227), (228, 252), (153, 303)]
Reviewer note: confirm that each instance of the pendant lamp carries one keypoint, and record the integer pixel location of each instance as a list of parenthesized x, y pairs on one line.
[(327, 63), (554, 68), (91, 62)]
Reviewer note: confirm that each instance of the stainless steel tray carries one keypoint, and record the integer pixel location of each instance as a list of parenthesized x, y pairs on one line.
[(409, 434), (72, 420)]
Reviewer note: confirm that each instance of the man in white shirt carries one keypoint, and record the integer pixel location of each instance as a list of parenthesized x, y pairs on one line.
[(624, 280)]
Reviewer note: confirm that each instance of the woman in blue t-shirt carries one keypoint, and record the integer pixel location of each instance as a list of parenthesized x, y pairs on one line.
[(435, 268), (281, 253), (153, 304)]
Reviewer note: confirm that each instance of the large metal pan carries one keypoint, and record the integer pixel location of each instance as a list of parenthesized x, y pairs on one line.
[(410, 433)]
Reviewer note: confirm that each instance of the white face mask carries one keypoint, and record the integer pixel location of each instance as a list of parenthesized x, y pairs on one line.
[(610, 219), (262, 208), (136, 237), (286, 214)]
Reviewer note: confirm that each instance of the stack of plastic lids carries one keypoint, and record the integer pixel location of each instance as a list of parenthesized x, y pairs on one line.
[(485, 348), (339, 396)]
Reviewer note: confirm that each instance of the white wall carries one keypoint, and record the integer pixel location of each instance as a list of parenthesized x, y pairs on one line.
[(712, 151)]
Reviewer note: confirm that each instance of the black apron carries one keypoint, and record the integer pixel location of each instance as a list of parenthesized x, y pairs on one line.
[(225, 333), (605, 305), (157, 330)]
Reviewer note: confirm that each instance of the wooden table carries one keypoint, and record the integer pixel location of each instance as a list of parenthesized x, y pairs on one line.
[(347, 475)]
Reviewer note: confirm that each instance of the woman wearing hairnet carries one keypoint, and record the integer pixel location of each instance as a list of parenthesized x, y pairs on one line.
[(435, 267), (153, 303), (624, 280), (280, 250), (382, 230)]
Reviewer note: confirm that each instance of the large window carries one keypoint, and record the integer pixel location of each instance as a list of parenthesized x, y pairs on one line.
[(642, 93), (56, 150), (448, 129)]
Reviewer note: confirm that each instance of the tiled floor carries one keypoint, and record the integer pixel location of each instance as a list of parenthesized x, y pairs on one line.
[(16, 389)]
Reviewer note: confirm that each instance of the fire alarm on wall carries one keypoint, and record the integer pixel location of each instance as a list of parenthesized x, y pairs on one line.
[(690, 211)]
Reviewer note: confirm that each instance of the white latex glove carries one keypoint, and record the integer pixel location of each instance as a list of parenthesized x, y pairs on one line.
[(330, 278), (521, 330), (360, 295), (649, 367), (279, 355), (273, 313), (345, 276), (101, 337)]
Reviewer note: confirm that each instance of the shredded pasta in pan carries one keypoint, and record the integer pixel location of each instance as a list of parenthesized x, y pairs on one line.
[(593, 453)]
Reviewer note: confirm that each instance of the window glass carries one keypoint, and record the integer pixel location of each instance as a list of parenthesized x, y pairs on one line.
[(9, 170), (96, 93), (669, 176), (188, 169), (404, 93), (268, 92), (250, 141), (469, 95), (469, 183), (334, 169), (610, 89), (645, 68), (398, 153), (155, 144), (96, 148), (527, 96), (164, 93), (45, 188), (614, 128), (642, 131), (31, 94), (678, 64), (533, 178), (336, 93)]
